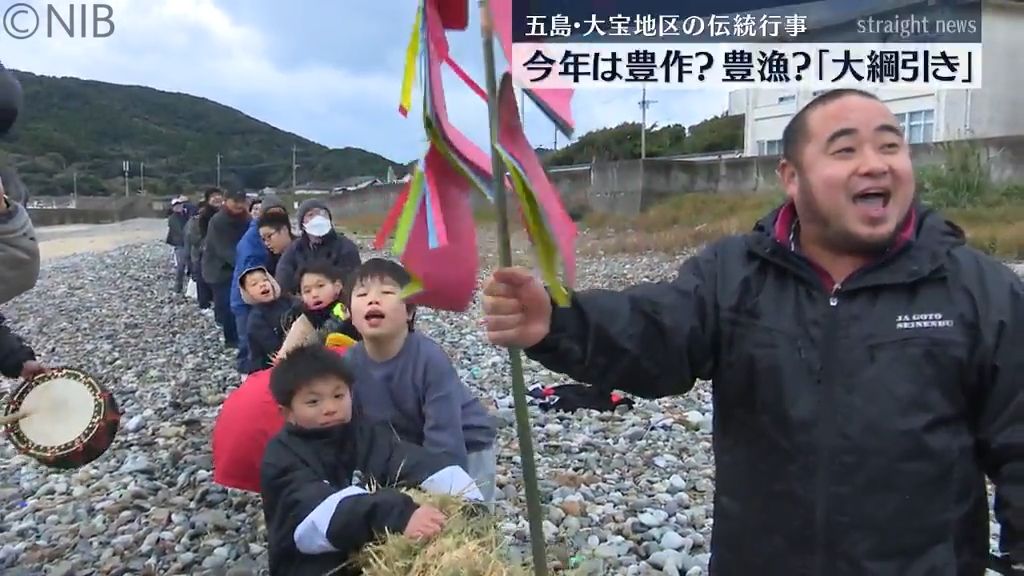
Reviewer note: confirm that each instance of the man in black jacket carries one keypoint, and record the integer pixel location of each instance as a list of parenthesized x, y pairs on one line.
[(866, 364), (176, 222), (226, 228)]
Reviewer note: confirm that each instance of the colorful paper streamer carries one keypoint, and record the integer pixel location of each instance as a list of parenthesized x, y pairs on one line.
[(411, 50), (432, 219)]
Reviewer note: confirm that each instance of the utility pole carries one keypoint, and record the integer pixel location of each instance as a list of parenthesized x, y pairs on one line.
[(142, 177), (522, 108), (644, 104), (218, 170), (294, 167), (126, 165), (74, 189), (556, 137)]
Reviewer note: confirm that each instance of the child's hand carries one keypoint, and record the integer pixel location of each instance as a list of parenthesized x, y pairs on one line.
[(425, 522)]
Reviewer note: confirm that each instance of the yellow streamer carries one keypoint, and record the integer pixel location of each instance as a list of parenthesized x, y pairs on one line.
[(339, 340), (409, 76), (414, 287), (409, 212)]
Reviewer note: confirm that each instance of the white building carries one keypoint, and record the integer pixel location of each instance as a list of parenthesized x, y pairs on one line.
[(928, 115)]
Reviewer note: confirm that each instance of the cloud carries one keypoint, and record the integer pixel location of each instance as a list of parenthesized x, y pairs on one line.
[(196, 47), (328, 71)]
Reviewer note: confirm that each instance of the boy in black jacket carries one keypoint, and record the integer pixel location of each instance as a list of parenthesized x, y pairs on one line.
[(324, 301), (269, 319), (316, 517), (323, 309)]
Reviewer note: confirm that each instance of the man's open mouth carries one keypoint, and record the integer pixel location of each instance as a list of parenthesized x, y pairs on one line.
[(374, 315), (873, 197)]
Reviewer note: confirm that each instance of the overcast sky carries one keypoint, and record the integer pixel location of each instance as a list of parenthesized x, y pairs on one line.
[(328, 70)]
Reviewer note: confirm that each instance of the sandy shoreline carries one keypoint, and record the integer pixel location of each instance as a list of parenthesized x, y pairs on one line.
[(67, 240)]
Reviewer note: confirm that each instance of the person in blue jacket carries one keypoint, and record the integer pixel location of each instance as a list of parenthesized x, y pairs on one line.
[(249, 253)]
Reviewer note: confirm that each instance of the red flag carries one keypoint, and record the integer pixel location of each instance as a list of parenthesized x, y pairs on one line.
[(514, 143), (448, 274), (454, 13), (465, 77), (437, 52), (555, 102)]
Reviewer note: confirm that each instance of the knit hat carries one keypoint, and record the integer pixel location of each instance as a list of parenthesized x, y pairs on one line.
[(11, 99), (275, 288), (272, 201)]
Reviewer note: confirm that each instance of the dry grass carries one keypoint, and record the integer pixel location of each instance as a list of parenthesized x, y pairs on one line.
[(693, 220), (997, 230), (470, 545), (687, 221), (362, 225)]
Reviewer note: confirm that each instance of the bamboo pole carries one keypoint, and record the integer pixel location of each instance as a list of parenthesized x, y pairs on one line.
[(523, 429)]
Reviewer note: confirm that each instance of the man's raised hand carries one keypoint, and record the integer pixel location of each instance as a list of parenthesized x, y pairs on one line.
[(517, 308)]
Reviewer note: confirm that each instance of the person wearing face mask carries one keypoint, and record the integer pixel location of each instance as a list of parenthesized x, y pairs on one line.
[(319, 240)]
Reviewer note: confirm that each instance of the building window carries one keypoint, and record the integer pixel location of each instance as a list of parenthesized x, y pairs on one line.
[(787, 98), (919, 125), (769, 147)]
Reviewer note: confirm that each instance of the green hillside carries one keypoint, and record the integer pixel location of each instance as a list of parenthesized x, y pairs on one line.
[(71, 126), (622, 142)]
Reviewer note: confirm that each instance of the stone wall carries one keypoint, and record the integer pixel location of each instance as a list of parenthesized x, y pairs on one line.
[(94, 210)]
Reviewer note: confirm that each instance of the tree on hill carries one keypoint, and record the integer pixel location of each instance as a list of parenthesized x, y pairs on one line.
[(71, 126), (622, 142)]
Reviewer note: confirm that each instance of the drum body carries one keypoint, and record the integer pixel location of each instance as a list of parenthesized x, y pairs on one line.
[(72, 418)]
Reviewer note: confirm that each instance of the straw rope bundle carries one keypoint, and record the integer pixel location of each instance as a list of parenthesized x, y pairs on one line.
[(469, 545)]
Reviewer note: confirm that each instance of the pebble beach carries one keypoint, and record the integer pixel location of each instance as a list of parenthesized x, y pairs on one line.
[(628, 492)]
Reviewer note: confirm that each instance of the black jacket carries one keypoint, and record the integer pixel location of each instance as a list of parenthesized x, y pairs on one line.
[(853, 428), (222, 237), (335, 248), (327, 320), (176, 229), (13, 351), (267, 327), (308, 474)]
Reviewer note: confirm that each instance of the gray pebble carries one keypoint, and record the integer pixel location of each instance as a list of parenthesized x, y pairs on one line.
[(628, 492)]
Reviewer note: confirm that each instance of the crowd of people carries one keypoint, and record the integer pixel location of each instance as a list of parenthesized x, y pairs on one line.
[(228, 240), (349, 371), (866, 363)]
